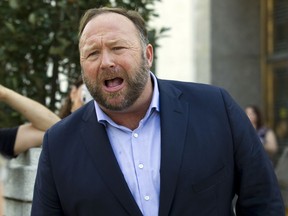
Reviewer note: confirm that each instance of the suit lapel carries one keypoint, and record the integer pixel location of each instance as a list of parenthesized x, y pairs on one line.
[(99, 148), (174, 115)]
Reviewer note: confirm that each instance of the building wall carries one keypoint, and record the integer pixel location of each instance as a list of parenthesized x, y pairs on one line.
[(235, 51), (215, 42), (174, 57), (19, 183)]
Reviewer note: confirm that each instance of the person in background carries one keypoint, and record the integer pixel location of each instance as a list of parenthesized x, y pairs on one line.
[(266, 134), (14, 141), (78, 96), (19, 139), (147, 146)]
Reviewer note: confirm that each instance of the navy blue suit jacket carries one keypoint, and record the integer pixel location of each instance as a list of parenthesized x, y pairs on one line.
[(209, 153)]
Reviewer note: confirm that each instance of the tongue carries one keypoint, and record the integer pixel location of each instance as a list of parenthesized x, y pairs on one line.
[(113, 82)]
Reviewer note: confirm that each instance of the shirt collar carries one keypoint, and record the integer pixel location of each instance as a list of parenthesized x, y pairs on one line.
[(154, 105)]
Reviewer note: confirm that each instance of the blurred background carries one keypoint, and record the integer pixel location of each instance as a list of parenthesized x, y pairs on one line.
[(241, 46)]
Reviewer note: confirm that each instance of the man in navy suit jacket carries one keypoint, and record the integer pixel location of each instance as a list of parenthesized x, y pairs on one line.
[(146, 146)]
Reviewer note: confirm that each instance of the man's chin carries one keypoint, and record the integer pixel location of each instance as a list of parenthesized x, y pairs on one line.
[(114, 105)]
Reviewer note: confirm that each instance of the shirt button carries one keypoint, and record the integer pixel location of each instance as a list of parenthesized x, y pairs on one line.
[(141, 166), (146, 198), (135, 135)]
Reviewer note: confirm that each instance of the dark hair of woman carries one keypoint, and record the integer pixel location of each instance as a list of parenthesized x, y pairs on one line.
[(65, 110), (259, 122)]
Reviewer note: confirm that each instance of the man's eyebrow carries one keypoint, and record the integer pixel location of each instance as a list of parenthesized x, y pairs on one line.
[(116, 42), (90, 44), (88, 47)]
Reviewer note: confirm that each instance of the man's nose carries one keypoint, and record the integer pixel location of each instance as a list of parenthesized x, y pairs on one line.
[(107, 60)]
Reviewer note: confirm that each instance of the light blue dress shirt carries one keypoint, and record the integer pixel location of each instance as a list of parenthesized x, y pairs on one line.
[(138, 154)]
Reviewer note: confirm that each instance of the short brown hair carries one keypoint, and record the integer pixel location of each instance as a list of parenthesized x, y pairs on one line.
[(134, 16)]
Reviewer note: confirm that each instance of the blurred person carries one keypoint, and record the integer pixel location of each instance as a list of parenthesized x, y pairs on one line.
[(77, 97), (14, 141), (266, 134), (20, 138), (146, 146), (282, 129)]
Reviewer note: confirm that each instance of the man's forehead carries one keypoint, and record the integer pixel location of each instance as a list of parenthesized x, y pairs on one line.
[(108, 29), (108, 21), (97, 39)]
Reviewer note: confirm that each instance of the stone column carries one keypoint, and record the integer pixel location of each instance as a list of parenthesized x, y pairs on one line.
[(19, 183)]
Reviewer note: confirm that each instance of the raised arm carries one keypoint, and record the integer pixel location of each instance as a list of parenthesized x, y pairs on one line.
[(39, 117)]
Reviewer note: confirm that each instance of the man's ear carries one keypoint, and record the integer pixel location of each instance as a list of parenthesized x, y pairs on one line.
[(149, 54)]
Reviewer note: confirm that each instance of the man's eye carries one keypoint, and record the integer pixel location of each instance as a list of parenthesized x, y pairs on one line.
[(118, 48), (95, 53)]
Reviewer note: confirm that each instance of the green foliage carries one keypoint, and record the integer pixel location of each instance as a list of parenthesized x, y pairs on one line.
[(39, 45)]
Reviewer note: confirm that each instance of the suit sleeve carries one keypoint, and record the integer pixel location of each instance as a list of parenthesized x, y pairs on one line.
[(256, 184), (45, 197)]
